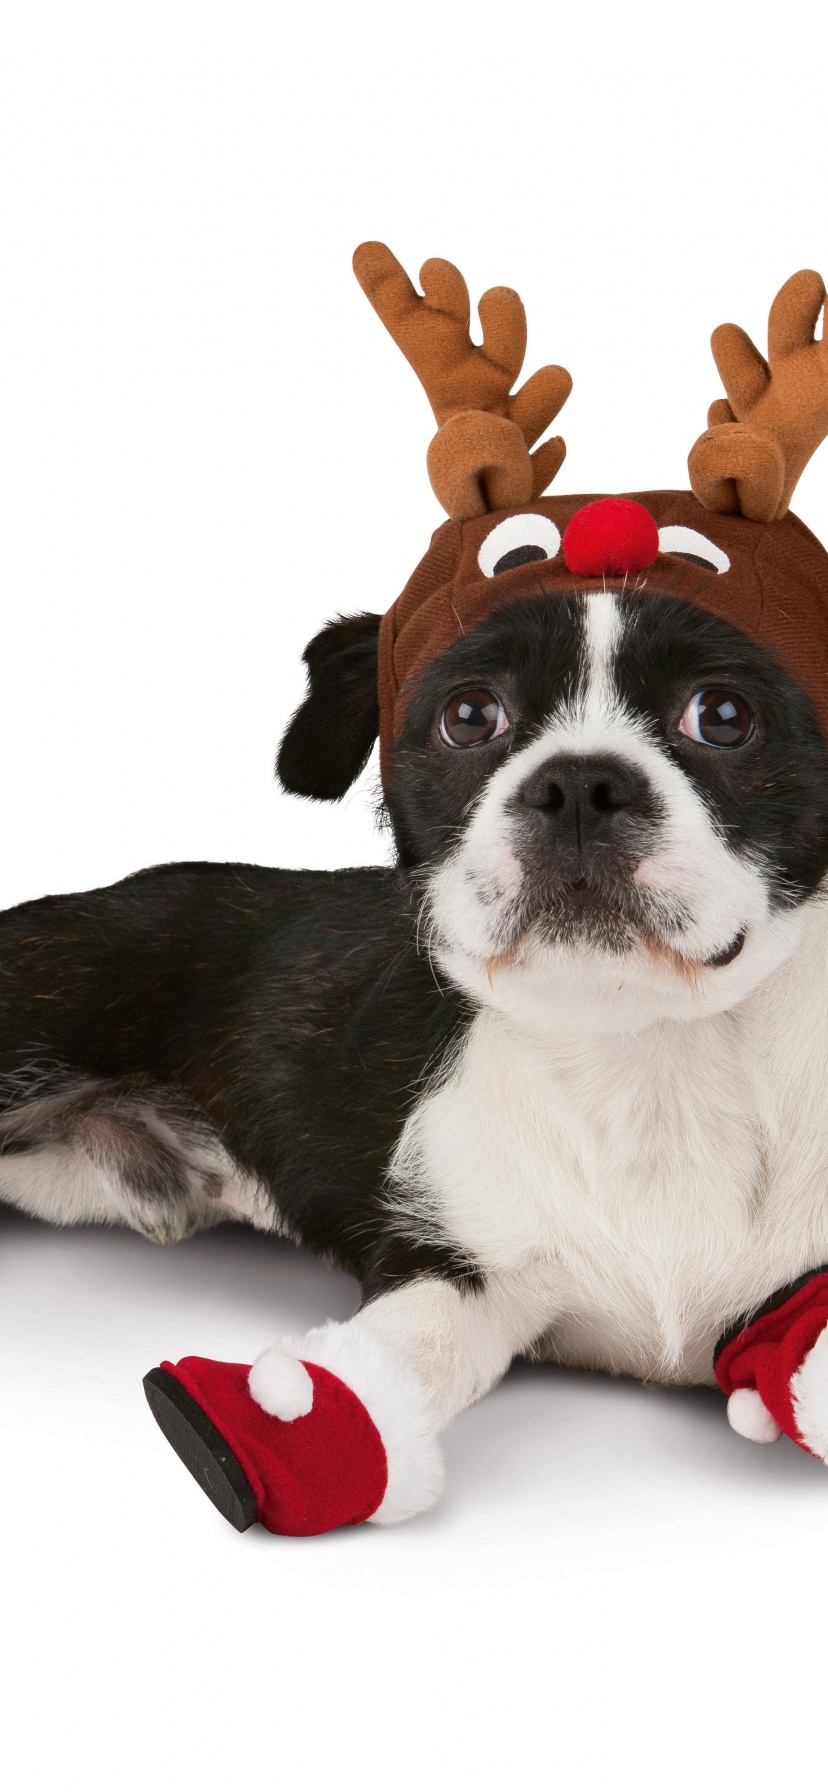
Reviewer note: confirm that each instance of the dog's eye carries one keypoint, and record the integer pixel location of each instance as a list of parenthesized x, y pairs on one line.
[(689, 544), (473, 717), (718, 718), (516, 541)]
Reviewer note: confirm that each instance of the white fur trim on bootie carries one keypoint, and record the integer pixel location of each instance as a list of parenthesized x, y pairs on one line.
[(392, 1394), (809, 1390), (749, 1415)]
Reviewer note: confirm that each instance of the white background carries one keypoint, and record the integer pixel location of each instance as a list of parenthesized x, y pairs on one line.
[(208, 446)]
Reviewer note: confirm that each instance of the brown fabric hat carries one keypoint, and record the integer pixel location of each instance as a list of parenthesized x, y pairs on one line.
[(775, 589)]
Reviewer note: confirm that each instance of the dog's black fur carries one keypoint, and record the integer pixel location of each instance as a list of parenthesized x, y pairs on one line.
[(295, 1016), (287, 1012)]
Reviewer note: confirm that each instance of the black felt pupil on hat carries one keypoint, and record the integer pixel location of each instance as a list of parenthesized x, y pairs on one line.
[(471, 718), (696, 560), (519, 557), (724, 719), (684, 543)]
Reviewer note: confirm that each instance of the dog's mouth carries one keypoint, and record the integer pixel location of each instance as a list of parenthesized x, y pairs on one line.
[(581, 898), (581, 914)]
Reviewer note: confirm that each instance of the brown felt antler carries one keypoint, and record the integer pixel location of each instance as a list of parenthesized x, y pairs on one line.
[(761, 437), (479, 459)]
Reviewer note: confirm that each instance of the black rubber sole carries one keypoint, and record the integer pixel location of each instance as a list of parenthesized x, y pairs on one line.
[(201, 1447)]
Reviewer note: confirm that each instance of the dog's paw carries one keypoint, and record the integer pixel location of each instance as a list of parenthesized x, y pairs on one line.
[(301, 1475), (391, 1393), (774, 1368), (324, 1431)]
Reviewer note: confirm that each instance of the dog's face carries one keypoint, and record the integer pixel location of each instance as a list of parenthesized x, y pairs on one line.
[(616, 806)]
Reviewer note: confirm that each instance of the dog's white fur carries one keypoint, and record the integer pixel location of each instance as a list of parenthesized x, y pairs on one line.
[(655, 1184)]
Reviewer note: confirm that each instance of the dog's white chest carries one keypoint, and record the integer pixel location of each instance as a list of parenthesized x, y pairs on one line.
[(649, 1184)]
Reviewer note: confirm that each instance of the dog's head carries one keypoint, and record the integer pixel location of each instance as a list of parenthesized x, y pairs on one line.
[(614, 801), (603, 723)]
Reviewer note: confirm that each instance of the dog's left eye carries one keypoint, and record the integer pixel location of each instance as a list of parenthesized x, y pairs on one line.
[(718, 719), (472, 717)]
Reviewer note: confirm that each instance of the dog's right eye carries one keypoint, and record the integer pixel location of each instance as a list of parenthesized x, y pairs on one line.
[(473, 717)]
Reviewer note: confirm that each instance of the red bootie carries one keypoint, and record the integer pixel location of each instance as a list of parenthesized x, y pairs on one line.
[(774, 1368), (291, 1444)]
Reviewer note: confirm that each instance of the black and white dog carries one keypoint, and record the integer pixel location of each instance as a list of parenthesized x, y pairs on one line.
[(553, 1084)]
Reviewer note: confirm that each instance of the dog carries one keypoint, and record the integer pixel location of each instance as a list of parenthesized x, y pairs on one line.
[(550, 1085)]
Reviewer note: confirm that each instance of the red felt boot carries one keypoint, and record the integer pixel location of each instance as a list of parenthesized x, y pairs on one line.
[(774, 1367), (292, 1444)]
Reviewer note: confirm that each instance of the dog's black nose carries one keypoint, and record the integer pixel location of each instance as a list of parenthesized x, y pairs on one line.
[(585, 795)]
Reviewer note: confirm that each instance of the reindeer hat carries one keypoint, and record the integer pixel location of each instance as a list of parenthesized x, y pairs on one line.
[(731, 545)]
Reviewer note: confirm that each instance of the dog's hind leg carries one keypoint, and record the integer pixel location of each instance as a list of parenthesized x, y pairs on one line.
[(118, 1152)]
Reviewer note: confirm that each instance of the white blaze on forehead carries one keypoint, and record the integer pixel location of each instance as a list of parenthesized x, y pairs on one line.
[(603, 627)]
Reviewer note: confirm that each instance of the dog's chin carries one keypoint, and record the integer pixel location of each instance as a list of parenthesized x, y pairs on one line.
[(591, 973), (597, 954)]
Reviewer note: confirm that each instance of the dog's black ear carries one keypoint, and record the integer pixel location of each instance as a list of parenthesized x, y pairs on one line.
[(331, 735)]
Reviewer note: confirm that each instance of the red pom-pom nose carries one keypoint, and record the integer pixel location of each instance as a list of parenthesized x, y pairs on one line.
[(613, 535)]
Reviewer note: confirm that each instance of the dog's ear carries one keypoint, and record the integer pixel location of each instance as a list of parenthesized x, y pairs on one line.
[(331, 735)]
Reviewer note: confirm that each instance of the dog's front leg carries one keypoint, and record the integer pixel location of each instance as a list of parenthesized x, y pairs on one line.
[(342, 1425), (414, 1357)]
